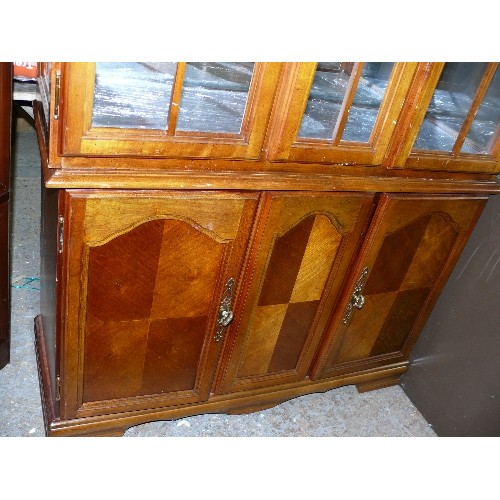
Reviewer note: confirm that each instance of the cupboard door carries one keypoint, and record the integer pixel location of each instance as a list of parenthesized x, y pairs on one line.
[(337, 112), (166, 110), (300, 254), (411, 248), (452, 119), (147, 272)]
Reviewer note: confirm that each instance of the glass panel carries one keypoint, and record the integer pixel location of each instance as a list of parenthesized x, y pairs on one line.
[(366, 104), (325, 99), (448, 108), (327, 95), (133, 94), (487, 120), (214, 97)]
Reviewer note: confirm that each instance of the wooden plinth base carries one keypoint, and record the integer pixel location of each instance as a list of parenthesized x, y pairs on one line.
[(378, 384)]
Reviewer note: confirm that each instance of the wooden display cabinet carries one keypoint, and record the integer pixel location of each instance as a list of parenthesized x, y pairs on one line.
[(221, 237)]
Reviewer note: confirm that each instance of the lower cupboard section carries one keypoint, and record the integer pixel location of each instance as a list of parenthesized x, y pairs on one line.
[(173, 303)]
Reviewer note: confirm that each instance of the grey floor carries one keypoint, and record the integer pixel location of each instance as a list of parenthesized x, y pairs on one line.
[(340, 412)]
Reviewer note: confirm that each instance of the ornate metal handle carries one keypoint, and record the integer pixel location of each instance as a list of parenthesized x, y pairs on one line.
[(357, 300), (225, 317), (225, 314)]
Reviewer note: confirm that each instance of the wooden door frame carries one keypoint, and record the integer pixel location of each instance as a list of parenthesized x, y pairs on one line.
[(291, 102), (79, 138), (74, 300), (400, 153), (463, 224)]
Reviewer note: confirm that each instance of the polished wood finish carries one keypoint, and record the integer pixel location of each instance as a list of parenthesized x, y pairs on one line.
[(301, 253), (412, 115), (51, 285), (176, 98), (144, 229), (400, 154), (241, 402), (291, 103), (80, 138), (413, 243), (142, 311), (5, 150)]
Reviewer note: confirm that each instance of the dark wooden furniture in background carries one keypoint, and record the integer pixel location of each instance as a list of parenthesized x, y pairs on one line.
[(5, 149), (221, 237), (454, 373)]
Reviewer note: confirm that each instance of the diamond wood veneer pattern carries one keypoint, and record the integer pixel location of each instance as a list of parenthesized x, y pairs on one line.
[(405, 270), (147, 311), (298, 268)]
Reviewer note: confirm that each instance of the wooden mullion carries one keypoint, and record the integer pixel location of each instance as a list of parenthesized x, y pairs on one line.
[(476, 102), (76, 105), (250, 108), (494, 144), (175, 98), (292, 96), (421, 90), (352, 86)]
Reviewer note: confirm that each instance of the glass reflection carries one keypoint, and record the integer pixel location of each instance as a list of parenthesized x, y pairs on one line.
[(450, 105), (480, 139), (328, 91), (366, 104), (325, 99), (133, 94), (214, 97)]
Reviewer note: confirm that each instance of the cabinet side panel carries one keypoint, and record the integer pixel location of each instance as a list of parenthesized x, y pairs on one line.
[(48, 273), (5, 124)]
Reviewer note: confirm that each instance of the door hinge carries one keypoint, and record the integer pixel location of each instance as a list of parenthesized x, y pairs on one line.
[(57, 92), (60, 234), (58, 388)]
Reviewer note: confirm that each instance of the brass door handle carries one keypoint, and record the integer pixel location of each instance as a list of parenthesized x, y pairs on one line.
[(225, 315), (357, 299)]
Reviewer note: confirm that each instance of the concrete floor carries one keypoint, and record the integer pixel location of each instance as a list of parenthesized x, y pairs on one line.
[(339, 412)]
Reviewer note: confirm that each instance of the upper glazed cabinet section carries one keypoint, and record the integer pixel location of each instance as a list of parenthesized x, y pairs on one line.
[(427, 116), (451, 119), (338, 112), (165, 110)]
